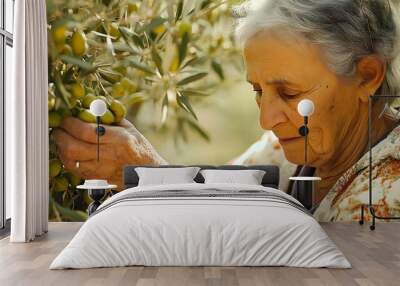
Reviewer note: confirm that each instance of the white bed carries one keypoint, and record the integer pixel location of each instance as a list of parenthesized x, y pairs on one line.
[(248, 226)]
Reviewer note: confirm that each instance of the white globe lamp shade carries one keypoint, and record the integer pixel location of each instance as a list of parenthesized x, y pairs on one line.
[(98, 107), (305, 107)]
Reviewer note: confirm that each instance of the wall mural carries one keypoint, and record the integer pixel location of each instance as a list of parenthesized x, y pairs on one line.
[(198, 82)]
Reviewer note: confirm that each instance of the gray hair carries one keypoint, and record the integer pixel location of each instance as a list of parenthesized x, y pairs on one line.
[(348, 30)]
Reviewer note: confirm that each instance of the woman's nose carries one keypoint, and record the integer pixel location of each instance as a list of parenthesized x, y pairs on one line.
[(271, 112)]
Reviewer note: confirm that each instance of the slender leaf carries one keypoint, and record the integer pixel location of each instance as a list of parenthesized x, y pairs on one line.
[(110, 46), (68, 76), (164, 109), (100, 34), (141, 66), (123, 47), (158, 21), (86, 66), (179, 11), (68, 214), (183, 101), (192, 78), (195, 61), (198, 129), (110, 76), (157, 60), (218, 69), (138, 40), (60, 88), (193, 92), (182, 49), (130, 38), (126, 33)]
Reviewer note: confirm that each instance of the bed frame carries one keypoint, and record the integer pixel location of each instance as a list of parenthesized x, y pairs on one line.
[(131, 178), (270, 179)]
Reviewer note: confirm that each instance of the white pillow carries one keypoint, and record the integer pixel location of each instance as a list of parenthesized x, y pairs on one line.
[(161, 176), (248, 177)]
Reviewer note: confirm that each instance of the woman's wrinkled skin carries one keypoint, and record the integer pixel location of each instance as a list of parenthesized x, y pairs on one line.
[(121, 145), (285, 70)]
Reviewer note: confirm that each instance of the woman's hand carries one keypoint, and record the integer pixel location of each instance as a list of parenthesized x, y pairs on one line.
[(119, 146)]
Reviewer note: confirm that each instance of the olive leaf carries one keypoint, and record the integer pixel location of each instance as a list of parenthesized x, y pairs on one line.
[(68, 214), (193, 92), (164, 109), (68, 76), (86, 66), (141, 66), (157, 60), (183, 46), (183, 101), (110, 76), (60, 88), (179, 11), (195, 61), (192, 78), (130, 38), (158, 21), (218, 69), (198, 129)]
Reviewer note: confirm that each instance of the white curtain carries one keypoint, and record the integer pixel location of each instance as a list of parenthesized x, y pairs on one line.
[(27, 124)]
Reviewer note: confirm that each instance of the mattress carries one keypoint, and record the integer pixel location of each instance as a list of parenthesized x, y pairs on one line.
[(201, 225)]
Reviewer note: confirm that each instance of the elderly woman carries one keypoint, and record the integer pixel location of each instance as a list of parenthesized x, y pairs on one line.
[(335, 52)]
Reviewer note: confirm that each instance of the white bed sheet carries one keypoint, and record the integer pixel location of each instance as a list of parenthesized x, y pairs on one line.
[(200, 232)]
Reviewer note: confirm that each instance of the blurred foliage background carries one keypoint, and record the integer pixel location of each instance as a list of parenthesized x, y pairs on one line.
[(169, 66)]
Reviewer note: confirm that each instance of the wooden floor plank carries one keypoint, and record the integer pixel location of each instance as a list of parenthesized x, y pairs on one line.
[(375, 257)]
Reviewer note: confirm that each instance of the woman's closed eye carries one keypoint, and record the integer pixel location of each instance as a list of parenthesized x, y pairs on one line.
[(283, 93), (288, 93)]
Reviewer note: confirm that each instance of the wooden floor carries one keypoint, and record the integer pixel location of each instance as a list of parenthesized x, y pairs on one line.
[(375, 257)]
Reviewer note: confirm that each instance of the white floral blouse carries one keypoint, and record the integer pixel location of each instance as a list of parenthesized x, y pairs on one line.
[(343, 201)]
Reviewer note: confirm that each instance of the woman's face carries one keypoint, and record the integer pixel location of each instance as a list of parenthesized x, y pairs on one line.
[(284, 71)]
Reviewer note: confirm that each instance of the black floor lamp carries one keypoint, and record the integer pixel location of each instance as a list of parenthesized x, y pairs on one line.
[(370, 206), (98, 108), (305, 184)]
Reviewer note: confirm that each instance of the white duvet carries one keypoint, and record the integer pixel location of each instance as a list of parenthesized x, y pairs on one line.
[(204, 231)]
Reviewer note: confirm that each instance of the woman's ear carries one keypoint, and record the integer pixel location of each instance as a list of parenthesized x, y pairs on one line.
[(371, 71)]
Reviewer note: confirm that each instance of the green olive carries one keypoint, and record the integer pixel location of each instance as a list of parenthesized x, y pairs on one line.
[(87, 116), (119, 110), (73, 179), (87, 100), (128, 85), (118, 90), (79, 43), (133, 7), (54, 119), (55, 167), (78, 90), (108, 118), (159, 29), (103, 98), (60, 184), (86, 198), (64, 49), (59, 34), (113, 30), (185, 27), (51, 102)]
